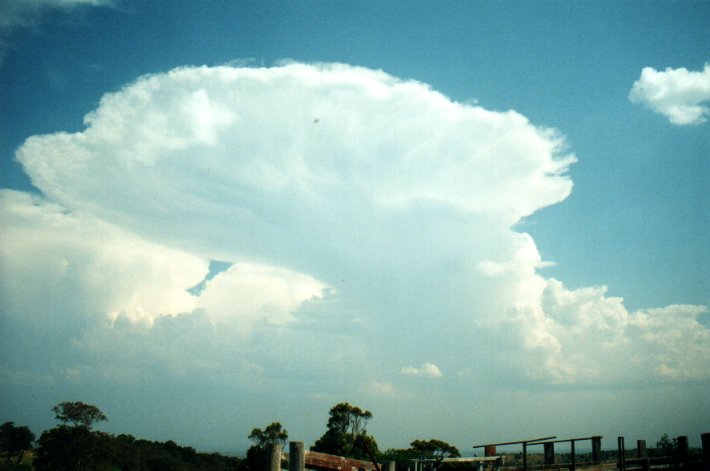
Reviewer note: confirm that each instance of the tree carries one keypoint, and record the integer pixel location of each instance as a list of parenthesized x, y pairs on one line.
[(667, 447), (15, 440), (346, 434), (78, 414), (434, 449), (258, 454)]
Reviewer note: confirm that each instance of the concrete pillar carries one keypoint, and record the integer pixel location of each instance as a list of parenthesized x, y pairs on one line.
[(275, 457), (296, 456), (596, 449), (549, 453), (388, 466), (641, 451), (705, 437)]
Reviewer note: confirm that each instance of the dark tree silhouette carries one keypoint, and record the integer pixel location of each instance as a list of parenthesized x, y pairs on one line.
[(78, 414), (346, 434)]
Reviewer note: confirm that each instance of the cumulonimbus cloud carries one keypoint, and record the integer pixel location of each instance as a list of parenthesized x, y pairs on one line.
[(336, 192), (679, 94)]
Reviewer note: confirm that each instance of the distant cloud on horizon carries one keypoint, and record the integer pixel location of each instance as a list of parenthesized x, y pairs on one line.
[(681, 95)]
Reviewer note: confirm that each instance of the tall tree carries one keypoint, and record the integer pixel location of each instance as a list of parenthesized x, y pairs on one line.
[(78, 414), (346, 435), (258, 454)]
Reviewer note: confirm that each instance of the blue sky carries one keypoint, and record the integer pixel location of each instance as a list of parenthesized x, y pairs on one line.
[(495, 216)]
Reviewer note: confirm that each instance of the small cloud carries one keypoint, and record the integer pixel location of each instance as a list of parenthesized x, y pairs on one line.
[(679, 94), (428, 370)]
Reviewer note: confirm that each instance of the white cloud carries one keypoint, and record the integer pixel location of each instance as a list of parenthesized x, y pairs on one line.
[(427, 369), (53, 263), (368, 221), (679, 94), (254, 293)]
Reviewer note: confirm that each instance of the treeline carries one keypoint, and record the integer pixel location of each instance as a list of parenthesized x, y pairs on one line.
[(73, 445)]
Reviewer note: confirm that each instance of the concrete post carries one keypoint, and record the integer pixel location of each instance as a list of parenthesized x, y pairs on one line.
[(549, 453), (275, 457), (705, 437), (597, 449), (388, 466), (641, 449), (296, 457)]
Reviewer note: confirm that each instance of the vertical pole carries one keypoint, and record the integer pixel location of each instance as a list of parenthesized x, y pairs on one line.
[(705, 437), (641, 449), (549, 453), (296, 457), (388, 466), (525, 456), (275, 457), (597, 449), (622, 458), (572, 465)]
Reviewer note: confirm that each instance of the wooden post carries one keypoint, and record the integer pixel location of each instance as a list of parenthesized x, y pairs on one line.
[(641, 449), (490, 450), (683, 445), (705, 437), (549, 453), (597, 449), (296, 457), (275, 457), (572, 465), (388, 466), (621, 452)]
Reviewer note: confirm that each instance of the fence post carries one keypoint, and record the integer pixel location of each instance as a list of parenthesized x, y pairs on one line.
[(596, 449), (549, 453), (296, 457), (641, 449), (622, 457), (275, 457), (573, 464), (705, 437)]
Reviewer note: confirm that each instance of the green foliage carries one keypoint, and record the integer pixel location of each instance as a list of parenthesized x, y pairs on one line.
[(78, 448), (258, 454), (433, 449), (78, 414), (13, 439), (667, 447), (420, 449), (346, 434)]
